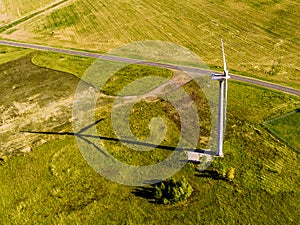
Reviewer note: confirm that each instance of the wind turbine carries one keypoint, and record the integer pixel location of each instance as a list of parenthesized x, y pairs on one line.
[(223, 79)]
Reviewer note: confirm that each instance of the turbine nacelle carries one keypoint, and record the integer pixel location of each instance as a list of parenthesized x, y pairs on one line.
[(216, 76)]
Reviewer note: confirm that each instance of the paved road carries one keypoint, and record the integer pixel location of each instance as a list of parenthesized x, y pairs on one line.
[(155, 64)]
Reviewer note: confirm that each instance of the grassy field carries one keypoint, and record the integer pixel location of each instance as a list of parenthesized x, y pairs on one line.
[(8, 54), (53, 184), (66, 63), (78, 65), (261, 37), (286, 128)]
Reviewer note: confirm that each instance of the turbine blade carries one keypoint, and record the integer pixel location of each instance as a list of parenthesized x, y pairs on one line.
[(224, 58), (225, 103)]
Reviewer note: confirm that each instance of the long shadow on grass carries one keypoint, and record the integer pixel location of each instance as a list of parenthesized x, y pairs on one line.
[(145, 192), (212, 174), (78, 134), (86, 137)]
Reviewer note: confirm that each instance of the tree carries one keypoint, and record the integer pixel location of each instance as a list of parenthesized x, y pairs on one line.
[(224, 171), (172, 191)]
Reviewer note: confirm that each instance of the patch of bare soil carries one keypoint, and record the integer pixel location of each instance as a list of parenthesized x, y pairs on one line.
[(33, 99)]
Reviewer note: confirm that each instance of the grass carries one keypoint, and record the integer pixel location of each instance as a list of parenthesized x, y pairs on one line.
[(286, 128), (261, 37), (8, 54), (140, 111), (126, 74), (145, 110), (266, 105), (66, 63), (54, 185)]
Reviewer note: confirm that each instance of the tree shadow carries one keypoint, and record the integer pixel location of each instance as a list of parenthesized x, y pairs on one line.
[(212, 174), (146, 192), (297, 110)]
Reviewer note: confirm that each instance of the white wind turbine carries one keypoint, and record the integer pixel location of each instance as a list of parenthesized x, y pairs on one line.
[(223, 78)]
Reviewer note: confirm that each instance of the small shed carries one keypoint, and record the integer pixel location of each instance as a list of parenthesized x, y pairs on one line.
[(194, 156)]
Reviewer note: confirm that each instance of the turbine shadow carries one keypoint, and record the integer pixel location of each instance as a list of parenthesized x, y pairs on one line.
[(87, 137)]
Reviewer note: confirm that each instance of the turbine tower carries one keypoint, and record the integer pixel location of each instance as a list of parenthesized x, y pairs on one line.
[(223, 79)]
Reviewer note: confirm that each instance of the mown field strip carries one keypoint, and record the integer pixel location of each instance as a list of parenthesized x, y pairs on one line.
[(286, 128)]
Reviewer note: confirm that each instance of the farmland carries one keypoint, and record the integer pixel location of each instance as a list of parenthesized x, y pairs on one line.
[(13, 10), (264, 45), (54, 184), (45, 177)]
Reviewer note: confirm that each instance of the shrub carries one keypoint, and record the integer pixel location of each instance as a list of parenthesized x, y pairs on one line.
[(172, 191), (230, 174), (224, 172)]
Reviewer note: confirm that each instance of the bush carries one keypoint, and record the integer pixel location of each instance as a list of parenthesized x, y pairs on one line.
[(172, 191), (224, 172), (230, 174)]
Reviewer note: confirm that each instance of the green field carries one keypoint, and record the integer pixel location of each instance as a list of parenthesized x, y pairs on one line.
[(261, 37), (53, 184), (44, 176), (66, 63), (78, 65), (287, 128), (8, 54)]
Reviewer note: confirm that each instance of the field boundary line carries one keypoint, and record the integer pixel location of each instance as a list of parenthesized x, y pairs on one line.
[(276, 135)]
